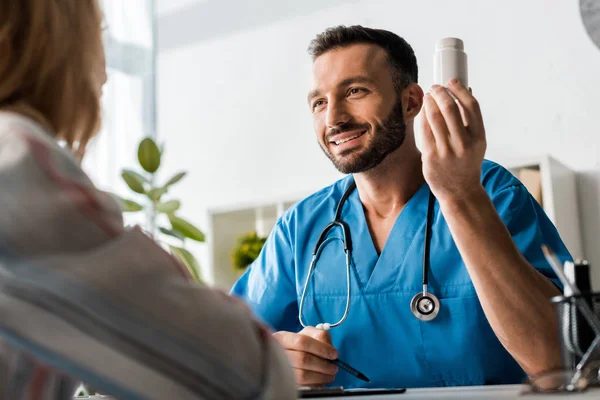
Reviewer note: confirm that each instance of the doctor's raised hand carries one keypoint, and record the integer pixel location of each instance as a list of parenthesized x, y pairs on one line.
[(309, 352), (452, 146), (453, 141)]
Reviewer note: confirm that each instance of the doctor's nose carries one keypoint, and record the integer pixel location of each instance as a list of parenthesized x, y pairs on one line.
[(336, 115)]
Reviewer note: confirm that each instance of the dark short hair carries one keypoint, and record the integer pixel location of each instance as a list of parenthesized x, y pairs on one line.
[(400, 54)]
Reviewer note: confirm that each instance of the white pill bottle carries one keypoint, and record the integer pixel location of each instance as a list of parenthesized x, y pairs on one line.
[(449, 62)]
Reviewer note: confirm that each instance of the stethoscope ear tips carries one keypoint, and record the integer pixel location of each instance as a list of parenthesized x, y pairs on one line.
[(324, 326)]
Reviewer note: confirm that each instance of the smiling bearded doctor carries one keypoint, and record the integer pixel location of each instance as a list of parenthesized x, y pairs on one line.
[(442, 216)]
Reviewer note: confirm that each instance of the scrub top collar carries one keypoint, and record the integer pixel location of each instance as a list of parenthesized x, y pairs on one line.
[(365, 259)]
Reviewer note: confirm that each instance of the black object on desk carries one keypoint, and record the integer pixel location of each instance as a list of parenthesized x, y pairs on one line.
[(305, 393), (575, 333)]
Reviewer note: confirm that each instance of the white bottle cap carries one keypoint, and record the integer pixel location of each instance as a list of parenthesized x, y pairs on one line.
[(454, 43)]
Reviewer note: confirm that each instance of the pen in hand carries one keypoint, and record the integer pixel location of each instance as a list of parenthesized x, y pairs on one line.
[(311, 354), (350, 370)]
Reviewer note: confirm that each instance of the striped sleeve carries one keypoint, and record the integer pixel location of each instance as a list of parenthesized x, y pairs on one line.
[(24, 378)]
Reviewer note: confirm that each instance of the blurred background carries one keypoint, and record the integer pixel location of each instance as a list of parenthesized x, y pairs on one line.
[(222, 85)]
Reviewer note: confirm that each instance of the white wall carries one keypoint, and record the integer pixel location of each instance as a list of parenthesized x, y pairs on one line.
[(169, 6), (232, 98)]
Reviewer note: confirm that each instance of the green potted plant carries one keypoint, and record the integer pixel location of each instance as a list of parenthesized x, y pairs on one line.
[(163, 221), (247, 250)]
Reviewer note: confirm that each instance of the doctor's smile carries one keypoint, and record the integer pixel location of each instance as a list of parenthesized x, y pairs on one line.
[(346, 139)]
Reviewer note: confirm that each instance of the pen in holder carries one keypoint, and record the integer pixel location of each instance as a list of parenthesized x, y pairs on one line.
[(576, 334), (570, 306)]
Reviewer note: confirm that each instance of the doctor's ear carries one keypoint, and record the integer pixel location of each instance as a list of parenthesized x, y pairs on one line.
[(412, 100)]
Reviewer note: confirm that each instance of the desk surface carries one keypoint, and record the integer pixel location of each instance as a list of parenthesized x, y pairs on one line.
[(474, 392)]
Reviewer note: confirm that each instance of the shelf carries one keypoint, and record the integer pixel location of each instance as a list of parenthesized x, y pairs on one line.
[(558, 197), (228, 224)]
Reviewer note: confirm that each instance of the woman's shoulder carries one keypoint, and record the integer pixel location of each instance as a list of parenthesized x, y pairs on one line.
[(46, 187), (21, 134), (18, 127), (27, 148)]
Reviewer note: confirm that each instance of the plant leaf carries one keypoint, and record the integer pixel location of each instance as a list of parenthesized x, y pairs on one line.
[(133, 182), (168, 207), (156, 193), (175, 179), (172, 233), (139, 176), (130, 205), (186, 229), (149, 155), (188, 260)]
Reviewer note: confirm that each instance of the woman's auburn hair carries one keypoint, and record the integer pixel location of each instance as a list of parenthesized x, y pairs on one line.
[(51, 64)]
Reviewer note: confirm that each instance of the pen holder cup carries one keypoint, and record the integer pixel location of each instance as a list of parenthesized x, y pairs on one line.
[(575, 333)]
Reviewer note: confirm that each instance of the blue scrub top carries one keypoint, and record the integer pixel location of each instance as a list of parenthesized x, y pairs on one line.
[(381, 337)]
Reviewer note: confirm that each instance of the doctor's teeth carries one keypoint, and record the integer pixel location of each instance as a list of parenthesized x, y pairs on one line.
[(345, 140)]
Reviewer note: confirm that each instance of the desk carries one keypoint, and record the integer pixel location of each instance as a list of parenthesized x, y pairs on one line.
[(502, 392)]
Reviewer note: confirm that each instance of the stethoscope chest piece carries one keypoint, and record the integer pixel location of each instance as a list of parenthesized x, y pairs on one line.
[(425, 306)]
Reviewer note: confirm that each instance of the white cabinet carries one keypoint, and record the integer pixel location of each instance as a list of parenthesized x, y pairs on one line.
[(558, 195), (227, 224)]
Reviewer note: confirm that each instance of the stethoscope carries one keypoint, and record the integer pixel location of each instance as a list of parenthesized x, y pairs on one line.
[(425, 306)]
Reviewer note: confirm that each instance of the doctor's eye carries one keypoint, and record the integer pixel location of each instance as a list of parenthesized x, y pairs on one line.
[(317, 104), (356, 91)]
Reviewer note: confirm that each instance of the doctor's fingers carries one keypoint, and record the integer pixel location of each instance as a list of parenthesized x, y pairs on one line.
[(319, 334), (309, 362), (307, 344), (445, 120), (436, 123), (449, 110), (470, 107), (311, 378)]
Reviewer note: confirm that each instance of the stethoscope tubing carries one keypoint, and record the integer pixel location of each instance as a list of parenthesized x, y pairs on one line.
[(424, 305)]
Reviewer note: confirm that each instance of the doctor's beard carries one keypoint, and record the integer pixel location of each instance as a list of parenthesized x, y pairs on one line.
[(388, 137)]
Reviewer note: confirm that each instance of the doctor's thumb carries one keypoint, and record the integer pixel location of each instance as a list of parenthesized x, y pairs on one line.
[(318, 334)]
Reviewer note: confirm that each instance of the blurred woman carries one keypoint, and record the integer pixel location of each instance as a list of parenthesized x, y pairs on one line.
[(81, 297)]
